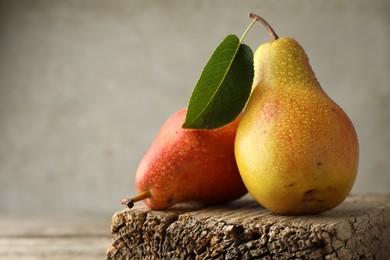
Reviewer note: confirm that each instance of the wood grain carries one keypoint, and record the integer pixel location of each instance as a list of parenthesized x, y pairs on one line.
[(357, 229)]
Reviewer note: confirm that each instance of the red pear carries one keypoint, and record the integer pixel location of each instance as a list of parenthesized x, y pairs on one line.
[(189, 165)]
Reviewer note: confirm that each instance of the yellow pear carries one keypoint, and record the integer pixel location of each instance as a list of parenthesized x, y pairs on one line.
[(296, 149)]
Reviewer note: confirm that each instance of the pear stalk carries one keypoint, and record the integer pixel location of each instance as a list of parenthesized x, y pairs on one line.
[(271, 31), (130, 202)]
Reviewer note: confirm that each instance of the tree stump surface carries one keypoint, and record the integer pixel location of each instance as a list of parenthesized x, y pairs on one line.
[(357, 229)]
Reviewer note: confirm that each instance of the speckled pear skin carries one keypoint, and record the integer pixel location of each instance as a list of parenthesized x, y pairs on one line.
[(296, 149), (190, 165)]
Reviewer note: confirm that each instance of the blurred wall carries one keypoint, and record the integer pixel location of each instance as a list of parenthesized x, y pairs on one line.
[(86, 85)]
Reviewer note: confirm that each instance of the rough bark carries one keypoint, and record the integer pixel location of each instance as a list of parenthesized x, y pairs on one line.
[(357, 229)]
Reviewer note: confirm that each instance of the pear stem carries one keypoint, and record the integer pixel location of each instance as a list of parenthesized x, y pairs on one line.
[(266, 25), (130, 202)]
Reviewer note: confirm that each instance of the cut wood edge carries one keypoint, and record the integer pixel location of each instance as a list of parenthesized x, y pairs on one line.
[(243, 229)]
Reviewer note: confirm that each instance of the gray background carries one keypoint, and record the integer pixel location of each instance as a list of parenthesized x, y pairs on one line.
[(86, 85)]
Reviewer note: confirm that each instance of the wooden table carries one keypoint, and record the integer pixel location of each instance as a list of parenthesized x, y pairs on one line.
[(357, 229), (38, 236)]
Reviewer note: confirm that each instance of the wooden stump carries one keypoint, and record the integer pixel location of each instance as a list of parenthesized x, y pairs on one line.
[(357, 229)]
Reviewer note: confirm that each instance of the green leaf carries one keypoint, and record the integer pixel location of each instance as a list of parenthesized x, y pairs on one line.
[(223, 87)]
